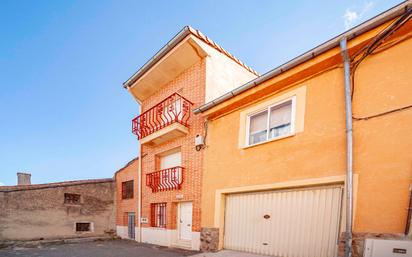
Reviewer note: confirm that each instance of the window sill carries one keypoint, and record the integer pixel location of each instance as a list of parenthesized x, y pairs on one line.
[(269, 141)]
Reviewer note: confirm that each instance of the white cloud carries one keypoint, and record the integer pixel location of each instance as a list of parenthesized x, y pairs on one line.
[(353, 15), (1, 184)]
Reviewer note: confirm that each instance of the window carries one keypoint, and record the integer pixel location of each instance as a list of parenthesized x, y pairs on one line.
[(158, 215), (71, 198), (273, 122), (83, 226), (127, 189), (172, 110)]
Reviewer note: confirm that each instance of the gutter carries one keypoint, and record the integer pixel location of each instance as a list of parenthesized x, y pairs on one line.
[(328, 45), (159, 55)]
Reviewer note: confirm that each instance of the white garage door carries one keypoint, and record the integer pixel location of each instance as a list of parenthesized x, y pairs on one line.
[(298, 223)]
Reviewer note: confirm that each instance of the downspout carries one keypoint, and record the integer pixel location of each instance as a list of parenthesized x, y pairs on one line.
[(139, 190), (349, 147), (139, 180)]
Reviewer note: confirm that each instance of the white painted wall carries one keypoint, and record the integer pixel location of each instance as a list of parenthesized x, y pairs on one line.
[(168, 237), (222, 73), (121, 231)]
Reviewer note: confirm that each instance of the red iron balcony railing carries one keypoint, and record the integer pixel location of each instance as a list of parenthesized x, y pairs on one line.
[(173, 109), (167, 179)]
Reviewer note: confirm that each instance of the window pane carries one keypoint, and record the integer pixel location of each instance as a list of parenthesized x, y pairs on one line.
[(258, 137), (280, 119), (258, 122), (258, 128), (127, 189)]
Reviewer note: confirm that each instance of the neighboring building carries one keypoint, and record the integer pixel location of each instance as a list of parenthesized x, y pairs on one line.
[(69, 209), (126, 180), (190, 70), (275, 161)]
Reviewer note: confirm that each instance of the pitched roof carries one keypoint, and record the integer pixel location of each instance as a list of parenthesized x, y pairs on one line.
[(187, 30), (53, 185), (127, 165), (366, 26)]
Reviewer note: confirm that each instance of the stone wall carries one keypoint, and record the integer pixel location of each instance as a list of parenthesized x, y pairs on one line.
[(358, 241), (34, 212), (209, 239)]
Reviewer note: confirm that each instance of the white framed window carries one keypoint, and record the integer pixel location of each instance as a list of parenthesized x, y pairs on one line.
[(273, 122)]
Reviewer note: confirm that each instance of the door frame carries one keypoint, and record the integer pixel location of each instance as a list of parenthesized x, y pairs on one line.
[(131, 230), (220, 196), (178, 218), (339, 186)]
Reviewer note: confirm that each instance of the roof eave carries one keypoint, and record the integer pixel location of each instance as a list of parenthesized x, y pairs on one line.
[(320, 49)]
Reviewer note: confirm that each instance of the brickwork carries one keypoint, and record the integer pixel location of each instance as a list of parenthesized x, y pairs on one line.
[(191, 85), (123, 206)]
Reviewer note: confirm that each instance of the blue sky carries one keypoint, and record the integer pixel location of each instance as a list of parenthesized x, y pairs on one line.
[(63, 112)]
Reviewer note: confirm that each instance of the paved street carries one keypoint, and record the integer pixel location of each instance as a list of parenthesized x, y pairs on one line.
[(115, 248)]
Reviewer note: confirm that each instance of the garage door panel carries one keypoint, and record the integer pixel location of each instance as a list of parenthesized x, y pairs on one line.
[(302, 222)]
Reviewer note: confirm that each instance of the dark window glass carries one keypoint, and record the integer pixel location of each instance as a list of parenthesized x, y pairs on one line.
[(127, 189), (82, 227), (71, 198)]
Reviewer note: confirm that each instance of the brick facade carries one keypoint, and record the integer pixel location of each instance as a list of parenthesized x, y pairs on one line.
[(191, 85), (123, 206)]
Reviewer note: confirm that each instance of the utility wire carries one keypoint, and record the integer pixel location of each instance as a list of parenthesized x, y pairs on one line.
[(370, 48)]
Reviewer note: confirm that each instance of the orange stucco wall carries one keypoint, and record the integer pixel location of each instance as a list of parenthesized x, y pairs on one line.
[(382, 146)]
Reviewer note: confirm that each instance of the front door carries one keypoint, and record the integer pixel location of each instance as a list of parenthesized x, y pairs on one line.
[(185, 221), (131, 225)]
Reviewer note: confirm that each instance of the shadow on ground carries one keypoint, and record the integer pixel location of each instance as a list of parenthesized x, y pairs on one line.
[(112, 248)]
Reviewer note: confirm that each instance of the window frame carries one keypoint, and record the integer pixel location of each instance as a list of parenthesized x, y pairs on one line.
[(78, 224), (155, 217), (124, 191), (69, 201), (267, 110)]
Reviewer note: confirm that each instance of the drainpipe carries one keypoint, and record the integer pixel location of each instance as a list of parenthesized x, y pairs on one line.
[(139, 181), (139, 190), (349, 148)]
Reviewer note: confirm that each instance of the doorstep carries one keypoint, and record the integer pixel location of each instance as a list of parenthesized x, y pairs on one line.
[(228, 253), (183, 244)]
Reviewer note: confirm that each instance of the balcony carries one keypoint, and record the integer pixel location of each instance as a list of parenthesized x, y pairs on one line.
[(163, 122), (164, 180)]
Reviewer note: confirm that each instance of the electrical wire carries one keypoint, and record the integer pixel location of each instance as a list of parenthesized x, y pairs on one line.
[(383, 113), (369, 49)]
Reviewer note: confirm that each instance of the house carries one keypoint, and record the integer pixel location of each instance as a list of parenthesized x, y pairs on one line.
[(127, 184), (70, 209), (185, 74), (277, 174)]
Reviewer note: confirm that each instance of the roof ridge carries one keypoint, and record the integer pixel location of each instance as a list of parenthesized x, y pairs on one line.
[(127, 165), (53, 184), (212, 43), (181, 35)]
